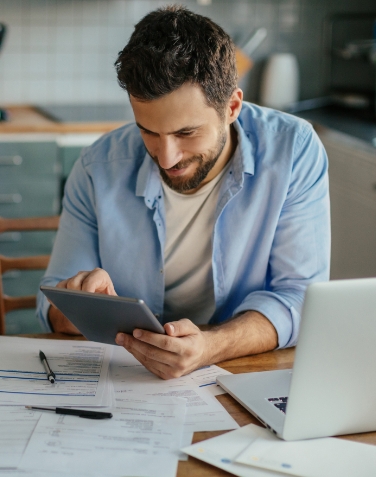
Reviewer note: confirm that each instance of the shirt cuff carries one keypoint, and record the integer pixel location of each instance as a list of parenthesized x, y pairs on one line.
[(278, 311)]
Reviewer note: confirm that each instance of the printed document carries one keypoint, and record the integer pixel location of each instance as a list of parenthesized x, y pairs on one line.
[(81, 369), (17, 425), (204, 411), (143, 438)]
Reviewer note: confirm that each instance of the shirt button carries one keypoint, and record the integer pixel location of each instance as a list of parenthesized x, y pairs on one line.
[(161, 270)]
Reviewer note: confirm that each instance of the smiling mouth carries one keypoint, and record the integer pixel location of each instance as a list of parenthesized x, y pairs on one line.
[(175, 171)]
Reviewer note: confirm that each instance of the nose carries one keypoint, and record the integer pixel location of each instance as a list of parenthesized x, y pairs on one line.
[(169, 153)]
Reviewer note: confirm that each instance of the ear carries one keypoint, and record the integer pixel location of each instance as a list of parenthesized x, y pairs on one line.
[(234, 106)]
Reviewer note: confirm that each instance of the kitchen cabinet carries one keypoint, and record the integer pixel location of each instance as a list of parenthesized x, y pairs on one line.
[(352, 181), (29, 186)]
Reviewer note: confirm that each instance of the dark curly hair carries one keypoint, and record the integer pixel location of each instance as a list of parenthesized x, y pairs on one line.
[(171, 46)]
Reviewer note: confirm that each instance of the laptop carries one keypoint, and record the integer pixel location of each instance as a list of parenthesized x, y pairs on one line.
[(331, 389)]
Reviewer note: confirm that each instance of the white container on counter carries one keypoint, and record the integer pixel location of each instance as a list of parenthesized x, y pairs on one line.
[(280, 81)]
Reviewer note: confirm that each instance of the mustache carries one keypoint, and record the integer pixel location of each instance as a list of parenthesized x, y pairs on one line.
[(181, 164)]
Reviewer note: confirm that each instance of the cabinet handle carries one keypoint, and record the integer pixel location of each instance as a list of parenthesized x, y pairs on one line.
[(10, 160), (10, 198)]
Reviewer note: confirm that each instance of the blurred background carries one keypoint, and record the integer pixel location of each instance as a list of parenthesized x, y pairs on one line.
[(64, 50)]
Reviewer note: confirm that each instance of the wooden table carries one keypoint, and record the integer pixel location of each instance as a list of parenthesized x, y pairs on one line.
[(280, 359)]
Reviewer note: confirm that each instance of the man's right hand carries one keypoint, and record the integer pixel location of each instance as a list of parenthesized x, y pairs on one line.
[(94, 281)]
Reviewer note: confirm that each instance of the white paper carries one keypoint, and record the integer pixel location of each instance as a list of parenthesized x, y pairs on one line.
[(42, 473), (204, 411), (142, 439), (221, 452), (149, 403), (81, 369), (17, 425), (325, 457), (206, 376)]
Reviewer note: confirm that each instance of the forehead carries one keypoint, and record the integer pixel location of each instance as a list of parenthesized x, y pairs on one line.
[(183, 107)]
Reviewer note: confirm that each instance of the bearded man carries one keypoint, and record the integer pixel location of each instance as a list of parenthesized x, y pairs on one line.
[(210, 209)]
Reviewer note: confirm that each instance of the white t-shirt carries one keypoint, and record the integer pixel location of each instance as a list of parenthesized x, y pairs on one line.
[(189, 291)]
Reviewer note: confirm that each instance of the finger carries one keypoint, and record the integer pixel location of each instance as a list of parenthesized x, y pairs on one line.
[(94, 281), (62, 284), (99, 281), (159, 369), (159, 340), (182, 327), (75, 282), (150, 352)]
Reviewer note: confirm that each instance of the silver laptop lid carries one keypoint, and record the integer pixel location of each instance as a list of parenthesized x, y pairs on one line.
[(333, 388)]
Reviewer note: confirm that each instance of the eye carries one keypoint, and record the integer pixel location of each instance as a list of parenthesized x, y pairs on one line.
[(148, 133), (185, 133)]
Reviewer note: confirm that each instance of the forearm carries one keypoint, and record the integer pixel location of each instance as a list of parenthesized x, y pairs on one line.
[(59, 323), (249, 333)]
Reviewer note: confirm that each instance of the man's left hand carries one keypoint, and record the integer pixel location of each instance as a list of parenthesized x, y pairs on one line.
[(181, 350)]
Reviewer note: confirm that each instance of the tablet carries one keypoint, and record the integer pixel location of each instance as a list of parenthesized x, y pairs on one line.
[(100, 317)]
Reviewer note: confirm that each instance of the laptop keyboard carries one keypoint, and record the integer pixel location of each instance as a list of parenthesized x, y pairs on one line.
[(279, 402)]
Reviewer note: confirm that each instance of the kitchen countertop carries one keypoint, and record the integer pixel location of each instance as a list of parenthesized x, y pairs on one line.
[(356, 123), (27, 119)]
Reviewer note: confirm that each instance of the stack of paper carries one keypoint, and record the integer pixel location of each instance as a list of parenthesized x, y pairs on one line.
[(204, 411), (255, 452), (81, 370), (152, 418), (140, 439)]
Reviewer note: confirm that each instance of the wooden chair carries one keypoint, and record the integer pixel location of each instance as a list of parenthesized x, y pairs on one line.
[(37, 262)]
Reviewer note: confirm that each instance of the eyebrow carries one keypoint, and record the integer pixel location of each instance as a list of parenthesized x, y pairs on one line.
[(179, 131)]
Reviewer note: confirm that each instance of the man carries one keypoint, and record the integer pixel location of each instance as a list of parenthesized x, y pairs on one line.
[(209, 209)]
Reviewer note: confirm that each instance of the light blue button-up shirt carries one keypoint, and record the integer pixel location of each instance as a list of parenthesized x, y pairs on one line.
[(272, 226)]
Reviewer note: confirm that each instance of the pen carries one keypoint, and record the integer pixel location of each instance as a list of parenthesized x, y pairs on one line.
[(74, 412), (50, 374)]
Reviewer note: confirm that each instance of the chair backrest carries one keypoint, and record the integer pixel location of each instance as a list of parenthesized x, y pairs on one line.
[(37, 262)]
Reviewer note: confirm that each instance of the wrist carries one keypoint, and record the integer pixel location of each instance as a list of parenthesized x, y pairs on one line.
[(213, 346)]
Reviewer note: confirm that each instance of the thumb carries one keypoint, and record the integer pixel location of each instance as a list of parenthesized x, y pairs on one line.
[(182, 327)]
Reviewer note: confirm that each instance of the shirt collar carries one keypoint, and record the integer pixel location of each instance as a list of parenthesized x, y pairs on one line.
[(149, 181), (243, 160)]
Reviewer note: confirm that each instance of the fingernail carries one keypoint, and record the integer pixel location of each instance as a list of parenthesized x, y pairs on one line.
[(137, 333), (119, 339), (172, 327)]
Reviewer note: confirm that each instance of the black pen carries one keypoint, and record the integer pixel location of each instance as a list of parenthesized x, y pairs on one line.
[(74, 412), (50, 374)]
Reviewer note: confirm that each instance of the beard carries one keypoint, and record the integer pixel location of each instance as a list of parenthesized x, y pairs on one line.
[(205, 163)]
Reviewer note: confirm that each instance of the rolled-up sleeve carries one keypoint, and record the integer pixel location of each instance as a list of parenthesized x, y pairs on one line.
[(300, 252), (76, 244)]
